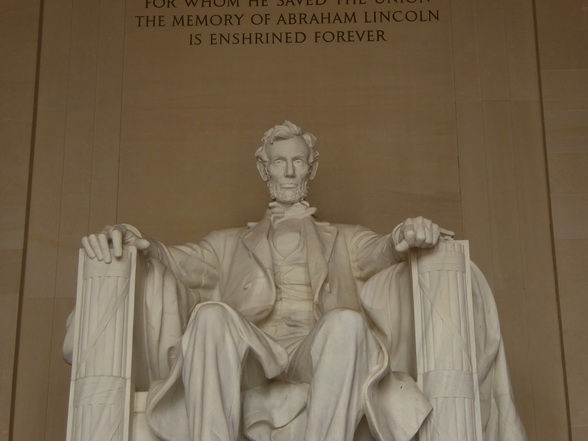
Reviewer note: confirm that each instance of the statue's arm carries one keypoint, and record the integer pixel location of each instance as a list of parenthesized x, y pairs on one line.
[(195, 265), (372, 253)]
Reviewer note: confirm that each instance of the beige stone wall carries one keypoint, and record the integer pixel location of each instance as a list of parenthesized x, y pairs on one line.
[(135, 125), (19, 22), (63, 202), (563, 55)]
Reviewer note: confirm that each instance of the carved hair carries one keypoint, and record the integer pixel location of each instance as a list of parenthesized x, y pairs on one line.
[(286, 130)]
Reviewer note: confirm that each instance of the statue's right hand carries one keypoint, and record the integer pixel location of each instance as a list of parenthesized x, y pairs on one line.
[(98, 246)]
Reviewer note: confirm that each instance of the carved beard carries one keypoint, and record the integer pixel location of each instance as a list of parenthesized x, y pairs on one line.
[(287, 196)]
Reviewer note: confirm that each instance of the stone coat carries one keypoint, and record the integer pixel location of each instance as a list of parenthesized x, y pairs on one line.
[(235, 267)]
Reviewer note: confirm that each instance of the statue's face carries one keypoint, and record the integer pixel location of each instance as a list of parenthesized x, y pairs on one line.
[(288, 170)]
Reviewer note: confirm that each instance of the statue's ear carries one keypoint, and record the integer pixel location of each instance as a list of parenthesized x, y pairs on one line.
[(262, 170), (314, 168)]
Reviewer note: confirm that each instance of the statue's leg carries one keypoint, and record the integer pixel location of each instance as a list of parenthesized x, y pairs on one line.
[(337, 359), (214, 346)]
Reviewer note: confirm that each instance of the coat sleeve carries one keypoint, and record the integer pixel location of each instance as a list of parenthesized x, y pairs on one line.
[(197, 266), (371, 253)]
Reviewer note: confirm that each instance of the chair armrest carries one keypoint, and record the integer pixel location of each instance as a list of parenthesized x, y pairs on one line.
[(102, 354), (445, 341)]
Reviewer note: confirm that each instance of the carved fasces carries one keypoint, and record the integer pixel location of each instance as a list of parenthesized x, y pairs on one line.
[(102, 389), (445, 341)]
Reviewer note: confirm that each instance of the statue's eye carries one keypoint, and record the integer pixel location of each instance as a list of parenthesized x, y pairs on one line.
[(299, 162)]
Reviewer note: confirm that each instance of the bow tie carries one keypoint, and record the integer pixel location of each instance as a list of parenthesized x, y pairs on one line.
[(299, 210)]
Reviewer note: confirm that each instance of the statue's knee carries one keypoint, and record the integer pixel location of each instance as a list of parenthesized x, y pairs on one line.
[(208, 318), (345, 325)]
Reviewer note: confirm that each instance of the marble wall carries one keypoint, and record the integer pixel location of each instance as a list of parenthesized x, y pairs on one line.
[(562, 33), (135, 124), (19, 23)]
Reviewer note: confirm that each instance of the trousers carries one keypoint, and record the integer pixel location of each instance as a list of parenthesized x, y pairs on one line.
[(335, 360)]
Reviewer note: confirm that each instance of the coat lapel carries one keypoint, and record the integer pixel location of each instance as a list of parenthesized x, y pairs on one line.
[(256, 241)]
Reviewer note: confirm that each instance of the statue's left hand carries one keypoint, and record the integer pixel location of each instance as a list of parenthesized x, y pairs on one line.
[(417, 232)]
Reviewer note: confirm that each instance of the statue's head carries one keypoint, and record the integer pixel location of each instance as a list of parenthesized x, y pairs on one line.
[(287, 160)]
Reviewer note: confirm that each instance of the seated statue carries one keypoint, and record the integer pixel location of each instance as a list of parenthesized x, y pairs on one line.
[(276, 326)]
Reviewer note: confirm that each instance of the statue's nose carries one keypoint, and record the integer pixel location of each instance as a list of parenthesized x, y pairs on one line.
[(290, 171)]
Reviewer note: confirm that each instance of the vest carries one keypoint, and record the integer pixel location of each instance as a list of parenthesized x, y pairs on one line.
[(292, 317)]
